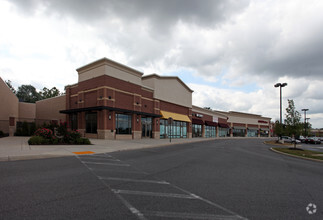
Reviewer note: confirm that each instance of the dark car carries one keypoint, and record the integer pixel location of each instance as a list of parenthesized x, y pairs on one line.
[(312, 140)]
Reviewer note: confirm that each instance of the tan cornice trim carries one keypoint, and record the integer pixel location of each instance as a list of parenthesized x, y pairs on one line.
[(111, 63), (114, 89), (146, 88), (167, 77), (147, 98), (105, 98)]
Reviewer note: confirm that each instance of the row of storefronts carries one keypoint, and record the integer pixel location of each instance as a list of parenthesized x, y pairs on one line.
[(114, 101)]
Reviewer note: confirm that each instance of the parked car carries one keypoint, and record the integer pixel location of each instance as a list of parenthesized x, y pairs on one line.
[(313, 140), (290, 140), (301, 139)]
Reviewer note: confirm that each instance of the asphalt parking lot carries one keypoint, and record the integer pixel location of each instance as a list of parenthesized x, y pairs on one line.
[(218, 179)]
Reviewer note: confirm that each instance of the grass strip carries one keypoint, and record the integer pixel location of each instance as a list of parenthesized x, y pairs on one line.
[(301, 152)]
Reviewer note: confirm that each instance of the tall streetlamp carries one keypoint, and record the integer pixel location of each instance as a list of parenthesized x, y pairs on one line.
[(306, 119), (280, 85), (305, 110)]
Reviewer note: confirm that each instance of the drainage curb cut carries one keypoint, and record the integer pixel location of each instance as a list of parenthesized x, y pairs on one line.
[(291, 155)]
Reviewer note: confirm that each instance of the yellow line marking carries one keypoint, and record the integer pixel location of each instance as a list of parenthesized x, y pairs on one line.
[(84, 152)]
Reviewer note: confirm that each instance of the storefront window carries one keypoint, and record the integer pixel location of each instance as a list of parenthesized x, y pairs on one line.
[(223, 132), (91, 122), (177, 130), (264, 133), (123, 124), (73, 121), (196, 130), (252, 132), (238, 132), (210, 131), (163, 128)]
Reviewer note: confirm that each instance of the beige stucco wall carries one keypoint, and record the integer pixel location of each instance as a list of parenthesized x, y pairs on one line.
[(110, 68), (9, 106), (208, 112), (48, 109), (245, 118), (27, 111), (169, 89)]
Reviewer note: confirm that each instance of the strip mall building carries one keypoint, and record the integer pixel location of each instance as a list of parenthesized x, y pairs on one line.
[(113, 101)]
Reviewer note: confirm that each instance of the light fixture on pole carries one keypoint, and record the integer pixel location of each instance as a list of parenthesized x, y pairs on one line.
[(306, 119), (280, 85), (305, 110)]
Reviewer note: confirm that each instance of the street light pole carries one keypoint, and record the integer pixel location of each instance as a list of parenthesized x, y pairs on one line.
[(306, 119), (305, 110), (280, 85)]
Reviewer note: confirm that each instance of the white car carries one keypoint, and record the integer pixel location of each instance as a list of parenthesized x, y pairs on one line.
[(290, 140)]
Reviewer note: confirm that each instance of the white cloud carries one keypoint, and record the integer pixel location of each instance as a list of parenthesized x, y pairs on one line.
[(235, 43)]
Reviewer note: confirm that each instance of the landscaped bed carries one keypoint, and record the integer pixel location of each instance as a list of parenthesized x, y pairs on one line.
[(301, 152), (57, 135)]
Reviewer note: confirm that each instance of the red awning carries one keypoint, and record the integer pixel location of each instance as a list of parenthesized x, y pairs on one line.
[(197, 121), (211, 123), (223, 125)]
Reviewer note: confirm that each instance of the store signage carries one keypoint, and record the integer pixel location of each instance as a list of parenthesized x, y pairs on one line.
[(199, 115), (215, 119)]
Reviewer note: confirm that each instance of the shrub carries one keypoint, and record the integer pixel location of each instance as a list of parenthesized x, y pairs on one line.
[(54, 140), (62, 129), (52, 126), (75, 134), (2, 134), (47, 136), (86, 141), (36, 140), (44, 132), (78, 141), (82, 141)]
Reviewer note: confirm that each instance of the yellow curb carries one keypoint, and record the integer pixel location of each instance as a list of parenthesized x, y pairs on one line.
[(291, 155), (84, 152)]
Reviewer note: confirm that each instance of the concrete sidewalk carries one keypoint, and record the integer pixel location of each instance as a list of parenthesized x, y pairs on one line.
[(17, 148)]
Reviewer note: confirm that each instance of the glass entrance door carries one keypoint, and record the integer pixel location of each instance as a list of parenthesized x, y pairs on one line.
[(146, 128)]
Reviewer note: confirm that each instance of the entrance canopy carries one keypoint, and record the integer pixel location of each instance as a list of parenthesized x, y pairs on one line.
[(175, 116)]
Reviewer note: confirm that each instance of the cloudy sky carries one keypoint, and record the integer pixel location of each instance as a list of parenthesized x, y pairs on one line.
[(230, 52)]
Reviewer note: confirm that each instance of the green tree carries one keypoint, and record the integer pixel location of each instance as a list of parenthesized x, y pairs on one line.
[(278, 128), (308, 128), (293, 120), (28, 93), (49, 93), (8, 82)]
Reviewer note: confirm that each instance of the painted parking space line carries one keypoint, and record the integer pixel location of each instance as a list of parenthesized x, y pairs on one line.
[(134, 180), (129, 197), (108, 164), (119, 171), (143, 193), (184, 215), (84, 152), (210, 203)]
